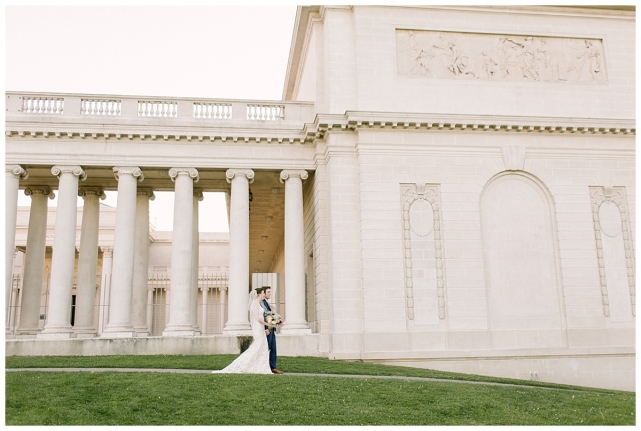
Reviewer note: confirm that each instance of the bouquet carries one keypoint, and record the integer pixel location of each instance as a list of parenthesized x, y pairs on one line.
[(273, 320)]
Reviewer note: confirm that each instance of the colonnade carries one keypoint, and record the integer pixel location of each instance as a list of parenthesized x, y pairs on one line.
[(124, 276)]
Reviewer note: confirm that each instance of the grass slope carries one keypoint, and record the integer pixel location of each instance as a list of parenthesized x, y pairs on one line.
[(58, 398)]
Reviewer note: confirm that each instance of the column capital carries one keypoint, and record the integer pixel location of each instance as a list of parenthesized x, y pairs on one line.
[(192, 172), (289, 173), (135, 171), (73, 169), (146, 192), (107, 251), (231, 173), (92, 191), (17, 171), (40, 190), (198, 194)]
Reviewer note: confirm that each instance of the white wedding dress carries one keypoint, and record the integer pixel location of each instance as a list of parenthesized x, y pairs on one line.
[(254, 360)]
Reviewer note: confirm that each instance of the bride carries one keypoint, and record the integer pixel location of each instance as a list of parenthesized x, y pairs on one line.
[(254, 360)]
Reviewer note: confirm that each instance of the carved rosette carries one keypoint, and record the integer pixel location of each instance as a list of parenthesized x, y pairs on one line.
[(431, 194), (231, 173), (134, 171), (39, 190), (75, 170), (17, 171), (92, 191), (285, 175), (616, 195), (191, 172)]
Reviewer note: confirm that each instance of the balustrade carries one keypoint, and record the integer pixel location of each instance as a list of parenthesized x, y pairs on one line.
[(157, 109), (43, 105), (218, 111), (100, 107), (265, 112)]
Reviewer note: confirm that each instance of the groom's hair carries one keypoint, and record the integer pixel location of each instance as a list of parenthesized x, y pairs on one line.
[(260, 290)]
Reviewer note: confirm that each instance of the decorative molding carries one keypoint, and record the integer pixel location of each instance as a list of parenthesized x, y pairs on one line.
[(135, 171), (17, 171), (191, 172), (75, 170), (444, 54), (39, 190), (286, 174), (198, 194), (514, 157), (616, 195), (230, 174), (92, 191), (431, 194), (107, 251), (146, 192)]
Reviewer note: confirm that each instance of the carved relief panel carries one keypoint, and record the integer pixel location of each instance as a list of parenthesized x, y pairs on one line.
[(423, 253), (437, 54), (614, 251)]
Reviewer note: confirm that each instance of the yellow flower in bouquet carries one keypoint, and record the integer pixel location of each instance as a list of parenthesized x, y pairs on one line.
[(273, 320)]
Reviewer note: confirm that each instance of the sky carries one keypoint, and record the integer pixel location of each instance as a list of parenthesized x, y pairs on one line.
[(230, 52)]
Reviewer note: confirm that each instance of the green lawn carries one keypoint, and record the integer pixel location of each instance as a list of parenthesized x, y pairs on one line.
[(60, 398)]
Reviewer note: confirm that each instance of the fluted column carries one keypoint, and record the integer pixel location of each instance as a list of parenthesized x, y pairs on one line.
[(180, 322), (105, 287), (34, 260), (141, 263), (223, 306), (240, 180), (198, 196), (13, 175), (88, 260), (64, 253), (123, 261), (203, 325), (294, 252)]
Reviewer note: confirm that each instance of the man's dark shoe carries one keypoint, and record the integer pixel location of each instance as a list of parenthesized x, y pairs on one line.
[(276, 371)]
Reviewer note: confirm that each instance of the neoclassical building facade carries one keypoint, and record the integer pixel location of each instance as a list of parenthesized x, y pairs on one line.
[(441, 187)]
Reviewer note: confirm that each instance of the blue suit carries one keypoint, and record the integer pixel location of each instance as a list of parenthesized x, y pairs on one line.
[(271, 340)]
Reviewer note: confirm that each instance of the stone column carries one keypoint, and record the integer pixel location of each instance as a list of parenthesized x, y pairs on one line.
[(13, 175), (105, 287), (240, 180), (294, 252), (203, 325), (88, 260), (123, 261), (223, 299), (195, 260), (34, 260), (180, 322), (64, 253), (141, 263)]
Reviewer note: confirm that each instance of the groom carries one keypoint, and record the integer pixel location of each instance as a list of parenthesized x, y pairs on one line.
[(271, 335)]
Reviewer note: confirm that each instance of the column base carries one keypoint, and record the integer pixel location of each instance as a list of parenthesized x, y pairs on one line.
[(295, 328), (55, 335), (86, 332), (115, 331), (237, 328), (178, 332), (117, 334), (28, 331)]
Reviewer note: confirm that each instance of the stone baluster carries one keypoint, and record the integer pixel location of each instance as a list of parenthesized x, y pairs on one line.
[(238, 321), (180, 322), (88, 261), (294, 252), (34, 260), (141, 263), (124, 250), (13, 175), (105, 287), (64, 253)]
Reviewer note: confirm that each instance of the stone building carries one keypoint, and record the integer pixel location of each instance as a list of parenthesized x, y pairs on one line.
[(441, 187)]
